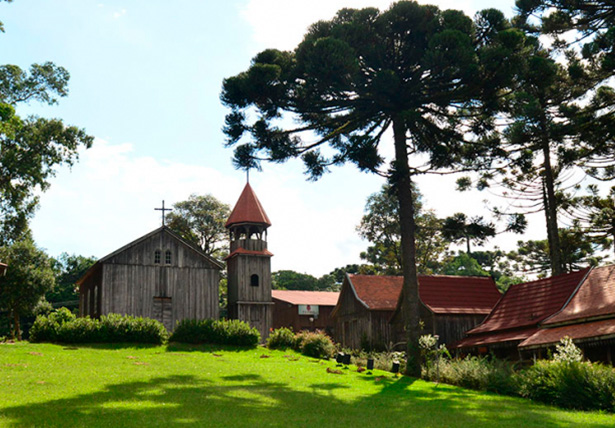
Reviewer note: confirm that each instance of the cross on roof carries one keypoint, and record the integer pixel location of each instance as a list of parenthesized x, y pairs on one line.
[(163, 209)]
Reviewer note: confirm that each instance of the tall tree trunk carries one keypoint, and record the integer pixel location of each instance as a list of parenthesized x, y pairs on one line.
[(555, 249), (410, 289), (468, 244), (16, 326)]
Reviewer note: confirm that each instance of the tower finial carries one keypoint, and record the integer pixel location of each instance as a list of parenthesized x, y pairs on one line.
[(248, 175)]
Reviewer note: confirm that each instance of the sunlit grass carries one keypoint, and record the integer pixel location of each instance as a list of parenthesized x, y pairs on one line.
[(124, 386)]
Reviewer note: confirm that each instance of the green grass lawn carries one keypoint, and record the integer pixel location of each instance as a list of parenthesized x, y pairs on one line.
[(113, 386)]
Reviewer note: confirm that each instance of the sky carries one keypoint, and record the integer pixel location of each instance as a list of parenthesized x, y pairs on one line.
[(145, 81)]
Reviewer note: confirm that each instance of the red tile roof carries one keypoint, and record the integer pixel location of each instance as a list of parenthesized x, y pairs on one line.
[(301, 297), (243, 251), (442, 294), (603, 329), (499, 337), (248, 209), (458, 294), (377, 292), (595, 298), (526, 305)]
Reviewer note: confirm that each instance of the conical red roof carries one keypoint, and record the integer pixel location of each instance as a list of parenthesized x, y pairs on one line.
[(248, 209)]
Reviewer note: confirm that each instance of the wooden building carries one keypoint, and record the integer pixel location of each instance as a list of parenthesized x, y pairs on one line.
[(249, 264), (450, 306), (304, 310), (366, 315), (588, 319), (2, 269), (519, 313), (159, 276)]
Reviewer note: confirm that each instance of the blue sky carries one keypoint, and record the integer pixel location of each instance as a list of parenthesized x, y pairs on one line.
[(145, 81)]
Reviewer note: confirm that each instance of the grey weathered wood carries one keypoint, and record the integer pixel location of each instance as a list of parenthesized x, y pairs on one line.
[(128, 281)]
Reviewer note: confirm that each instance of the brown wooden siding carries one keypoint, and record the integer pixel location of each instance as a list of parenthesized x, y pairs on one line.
[(357, 327), (451, 328), (287, 315)]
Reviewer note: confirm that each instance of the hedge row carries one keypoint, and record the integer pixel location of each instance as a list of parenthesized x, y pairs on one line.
[(568, 384), (216, 332), (64, 327)]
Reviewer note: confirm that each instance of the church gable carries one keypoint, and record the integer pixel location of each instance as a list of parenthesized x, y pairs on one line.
[(162, 248)]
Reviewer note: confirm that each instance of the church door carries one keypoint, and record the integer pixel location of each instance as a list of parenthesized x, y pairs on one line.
[(163, 311)]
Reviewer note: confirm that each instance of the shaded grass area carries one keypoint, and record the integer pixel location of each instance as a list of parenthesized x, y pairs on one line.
[(51, 385)]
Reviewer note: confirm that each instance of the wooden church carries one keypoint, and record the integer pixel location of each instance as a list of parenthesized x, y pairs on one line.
[(164, 277), (249, 264), (159, 276)]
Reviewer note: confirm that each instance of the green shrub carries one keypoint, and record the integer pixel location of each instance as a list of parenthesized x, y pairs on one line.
[(299, 339), (315, 344), (126, 328), (481, 373), (281, 338), (62, 326), (80, 330), (216, 332), (573, 385), (46, 327)]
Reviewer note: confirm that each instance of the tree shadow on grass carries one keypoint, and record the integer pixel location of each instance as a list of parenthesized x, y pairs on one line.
[(104, 346), (251, 400)]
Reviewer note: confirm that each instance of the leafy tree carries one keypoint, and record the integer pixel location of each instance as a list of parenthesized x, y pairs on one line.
[(291, 280), (459, 228), (588, 26), (414, 69), (201, 220), (499, 267), (380, 226), (538, 146), (68, 269), (463, 264), (223, 297), (30, 276), (31, 148), (596, 215), (339, 274), (579, 250), (594, 20)]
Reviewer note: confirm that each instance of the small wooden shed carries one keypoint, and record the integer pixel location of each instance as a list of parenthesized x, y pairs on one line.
[(159, 276), (366, 315), (2, 269), (304, 310)]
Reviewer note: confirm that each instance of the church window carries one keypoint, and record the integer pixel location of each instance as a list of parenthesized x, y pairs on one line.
[(157, 257), (167, 257), (254, 280)]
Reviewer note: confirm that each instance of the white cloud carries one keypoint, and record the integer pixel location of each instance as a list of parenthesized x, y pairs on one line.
[(109, 196), (118, 14)]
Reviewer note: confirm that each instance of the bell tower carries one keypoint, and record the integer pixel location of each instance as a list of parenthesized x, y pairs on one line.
[(249, 264)]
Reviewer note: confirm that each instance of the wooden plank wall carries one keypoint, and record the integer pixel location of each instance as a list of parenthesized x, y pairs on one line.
[(353, 321), (131, 280), (452, 328), (259, 316), (287, 315)]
